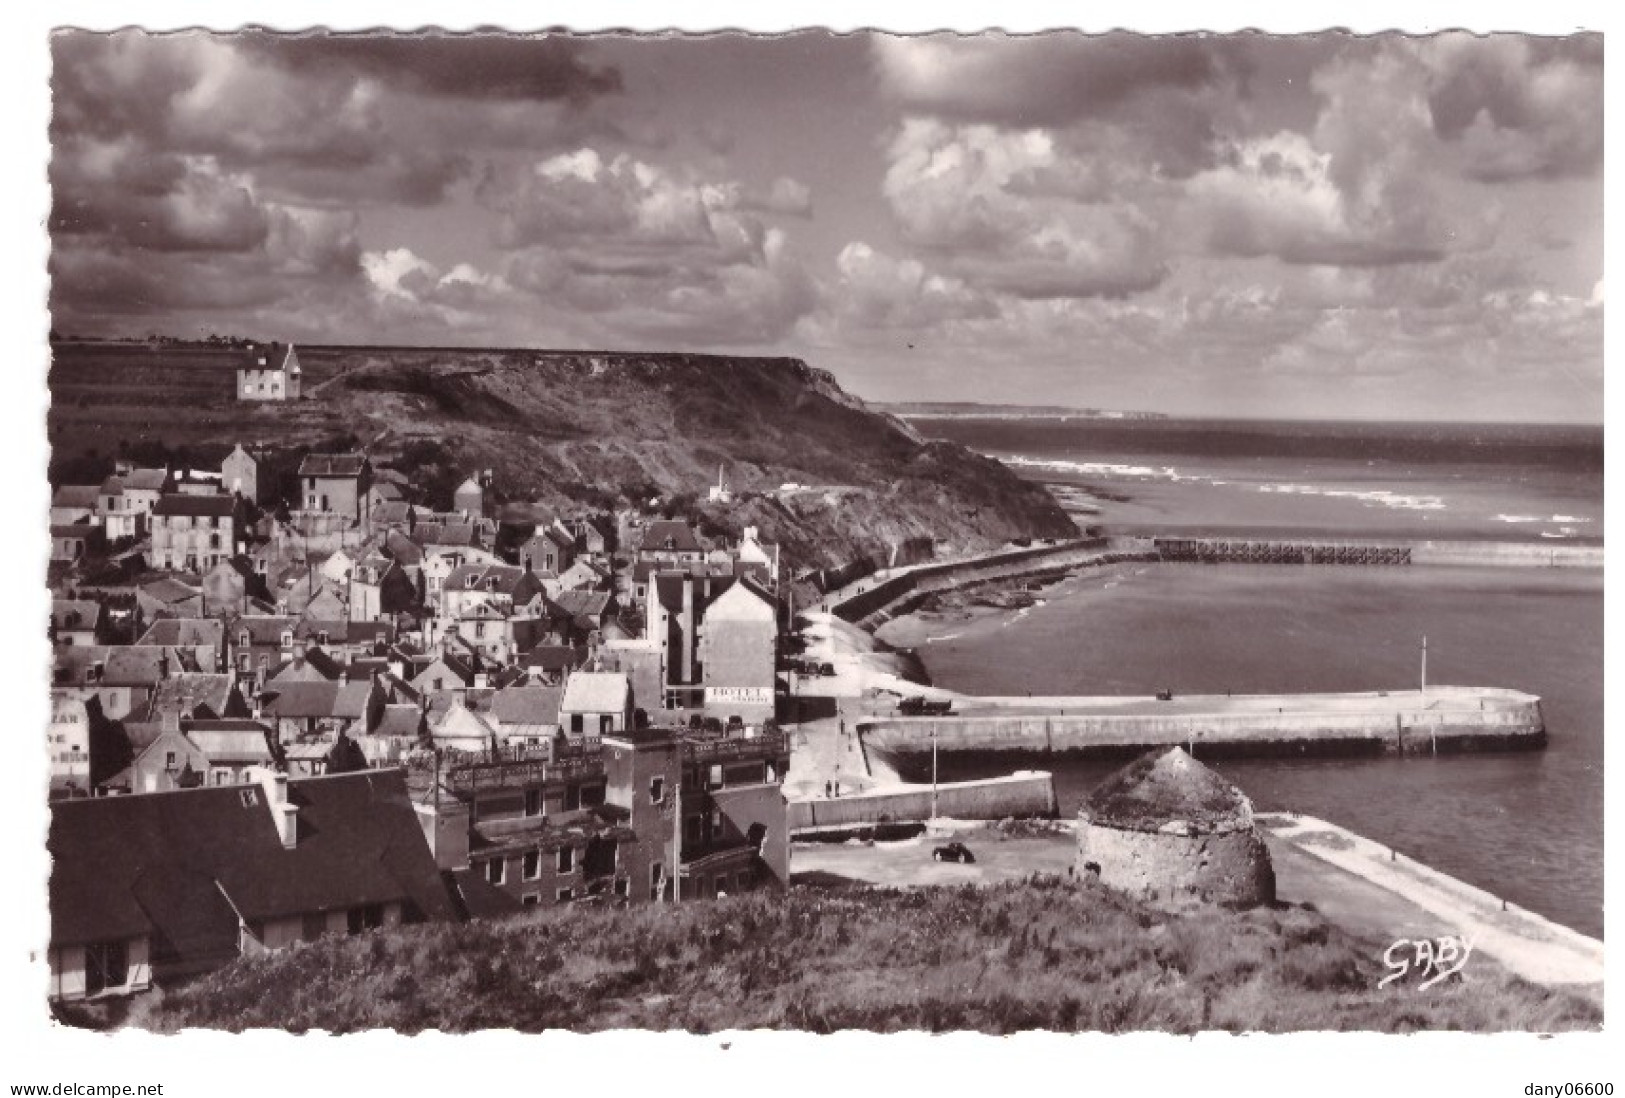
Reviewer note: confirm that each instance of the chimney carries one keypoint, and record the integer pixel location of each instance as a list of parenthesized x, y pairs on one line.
[(283, 814)]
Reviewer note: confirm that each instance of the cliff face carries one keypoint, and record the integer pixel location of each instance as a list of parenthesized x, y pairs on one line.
[(572, 428)]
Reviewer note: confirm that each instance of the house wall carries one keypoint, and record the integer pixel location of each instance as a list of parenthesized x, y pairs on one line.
[(262, 384), (737, 657), (69, 741), (67, 965), (742, 807), (338, 495), (1164, 867), (239, 473), (544, 887), (206, 539), (629, 772)]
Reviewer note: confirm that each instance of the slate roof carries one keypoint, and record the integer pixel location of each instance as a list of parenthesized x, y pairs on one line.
[(182, 866), (76, 495), (402, 548), (299, 700), (123, 665), (586, 607), (595, 692), (179, 504), (75, 614), (263, 629), (244, 742), (187, 691), (168, 590), (1166, 786), (400, 720), (146, 480), (187, 632), (332, 465), (554, 657), (669, 534), (527, 705), (113, 486)]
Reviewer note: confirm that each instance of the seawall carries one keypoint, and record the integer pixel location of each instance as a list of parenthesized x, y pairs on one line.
[(1444, 720), (1025, 793), (902, 591)]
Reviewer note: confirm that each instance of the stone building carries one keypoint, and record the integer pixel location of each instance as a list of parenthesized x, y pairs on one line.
[(239, 475), (269, 372), (1167, 829)]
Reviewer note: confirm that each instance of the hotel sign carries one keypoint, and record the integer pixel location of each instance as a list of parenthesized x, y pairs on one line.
[(738, 695)]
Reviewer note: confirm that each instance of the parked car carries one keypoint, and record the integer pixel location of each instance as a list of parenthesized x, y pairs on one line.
[(924, 707), (953, 852), (1165, 695), (826, 669)]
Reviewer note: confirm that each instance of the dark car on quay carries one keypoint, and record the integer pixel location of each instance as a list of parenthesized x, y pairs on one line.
[(953, 852)]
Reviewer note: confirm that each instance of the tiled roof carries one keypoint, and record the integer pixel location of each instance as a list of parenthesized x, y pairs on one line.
[(185, 865)]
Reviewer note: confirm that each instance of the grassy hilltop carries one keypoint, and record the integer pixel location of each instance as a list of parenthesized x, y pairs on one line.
[(1047, 953), (572, 428)]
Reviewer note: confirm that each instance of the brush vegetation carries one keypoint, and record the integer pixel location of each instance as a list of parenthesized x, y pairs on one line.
[(1047, 953)]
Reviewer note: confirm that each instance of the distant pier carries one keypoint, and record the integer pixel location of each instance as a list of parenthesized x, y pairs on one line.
[(1257, 551)]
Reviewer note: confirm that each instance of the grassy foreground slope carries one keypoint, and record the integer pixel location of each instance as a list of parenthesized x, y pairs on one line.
[(1046, 953), (585, 428)]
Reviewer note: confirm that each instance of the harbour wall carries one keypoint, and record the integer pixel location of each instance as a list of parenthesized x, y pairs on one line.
[(899, 594), (1459, 719), (1026, 793)]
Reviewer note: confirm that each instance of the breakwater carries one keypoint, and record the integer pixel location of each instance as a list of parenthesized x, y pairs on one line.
[(1181, 549), (1443, 720), (1023, 794)]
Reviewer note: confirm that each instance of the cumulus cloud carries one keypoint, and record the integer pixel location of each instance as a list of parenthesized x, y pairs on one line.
[(874, 290), (966, 193), (1516, 107), (652, 250)]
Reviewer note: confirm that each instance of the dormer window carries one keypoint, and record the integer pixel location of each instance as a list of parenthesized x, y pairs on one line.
[(472, 580), (321, 638), (287, 638), (244, 640)]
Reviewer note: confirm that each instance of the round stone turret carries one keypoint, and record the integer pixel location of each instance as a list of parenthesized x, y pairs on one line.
[(1169, 830)]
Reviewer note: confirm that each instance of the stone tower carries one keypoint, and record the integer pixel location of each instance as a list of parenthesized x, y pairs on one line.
[(1167, 829)]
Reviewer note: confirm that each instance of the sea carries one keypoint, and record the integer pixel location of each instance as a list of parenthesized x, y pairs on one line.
[(1527, 826)]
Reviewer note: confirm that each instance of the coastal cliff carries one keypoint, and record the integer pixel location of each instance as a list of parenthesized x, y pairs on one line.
[(811, 466)]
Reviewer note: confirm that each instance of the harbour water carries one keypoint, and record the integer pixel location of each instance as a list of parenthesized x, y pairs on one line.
[(1526, 826)]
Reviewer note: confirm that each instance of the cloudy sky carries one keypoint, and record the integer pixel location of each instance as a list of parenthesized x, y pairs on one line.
[(1319, 226)]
